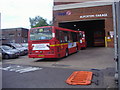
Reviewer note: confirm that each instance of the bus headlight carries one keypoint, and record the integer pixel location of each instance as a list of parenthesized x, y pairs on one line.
[(83, 40), (41, 52), (80, 41)]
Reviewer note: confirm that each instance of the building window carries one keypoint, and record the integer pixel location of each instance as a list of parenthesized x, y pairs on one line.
[(11, 35), (3, 35), (19, 34)]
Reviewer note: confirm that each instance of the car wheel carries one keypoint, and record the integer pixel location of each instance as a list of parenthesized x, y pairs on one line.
[(6, 56)]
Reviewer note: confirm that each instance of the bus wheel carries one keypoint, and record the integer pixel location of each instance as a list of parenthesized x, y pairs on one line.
[(76, 49), (83, 48), (66, 53)]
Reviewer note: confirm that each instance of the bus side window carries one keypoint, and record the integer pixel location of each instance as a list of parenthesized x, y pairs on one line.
[(59, 36), (65, 36), (74, 36), (70, 37)]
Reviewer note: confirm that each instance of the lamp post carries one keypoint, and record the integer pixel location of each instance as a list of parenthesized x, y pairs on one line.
[(116, 23)]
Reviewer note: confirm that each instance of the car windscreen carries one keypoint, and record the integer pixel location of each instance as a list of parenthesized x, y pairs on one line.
[(25, 44), (41, 34), (6, 47), (17, 45)]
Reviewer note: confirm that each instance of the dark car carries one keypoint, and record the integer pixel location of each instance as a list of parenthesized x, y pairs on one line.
[(23, 51), (8, 52)]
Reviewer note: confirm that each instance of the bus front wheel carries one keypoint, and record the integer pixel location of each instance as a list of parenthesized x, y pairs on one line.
[(77, 49), (66, 54)]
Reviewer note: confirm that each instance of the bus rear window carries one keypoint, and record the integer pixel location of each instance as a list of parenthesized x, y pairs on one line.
[(41, 34)]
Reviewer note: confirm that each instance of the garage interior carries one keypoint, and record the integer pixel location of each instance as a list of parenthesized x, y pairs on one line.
[(94, 30)]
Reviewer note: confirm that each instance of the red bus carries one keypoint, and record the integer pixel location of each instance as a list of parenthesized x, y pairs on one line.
[(82, 39), (52, 42)]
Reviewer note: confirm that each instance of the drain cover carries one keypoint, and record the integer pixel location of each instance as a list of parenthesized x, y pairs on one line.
[(80, 78)]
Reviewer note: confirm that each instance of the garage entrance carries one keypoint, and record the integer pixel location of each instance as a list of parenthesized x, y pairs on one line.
[(94, 30)]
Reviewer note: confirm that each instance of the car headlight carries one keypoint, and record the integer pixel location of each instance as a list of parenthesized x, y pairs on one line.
[(21, 50)]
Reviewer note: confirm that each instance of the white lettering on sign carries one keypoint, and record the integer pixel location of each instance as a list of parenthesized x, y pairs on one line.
[(96, 15)]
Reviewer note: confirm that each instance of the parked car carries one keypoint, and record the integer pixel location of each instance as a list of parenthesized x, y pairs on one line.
[(23, 50), (22, 47), (8, 52), (25, 45)]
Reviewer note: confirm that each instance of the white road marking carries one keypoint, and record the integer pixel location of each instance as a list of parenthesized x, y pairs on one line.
[(20, 69)]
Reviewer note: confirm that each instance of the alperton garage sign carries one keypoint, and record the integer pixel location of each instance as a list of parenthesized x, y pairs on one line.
[(96, 15)]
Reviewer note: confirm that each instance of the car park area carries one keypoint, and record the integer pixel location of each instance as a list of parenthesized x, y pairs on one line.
[(99, 60), (23, 50), (8, 52), (13, 50)]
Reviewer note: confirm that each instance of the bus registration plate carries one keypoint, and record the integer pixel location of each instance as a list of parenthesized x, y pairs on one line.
[(40, 55)]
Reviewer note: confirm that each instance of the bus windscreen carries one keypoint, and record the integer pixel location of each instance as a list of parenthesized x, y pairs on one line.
[(41, 34)]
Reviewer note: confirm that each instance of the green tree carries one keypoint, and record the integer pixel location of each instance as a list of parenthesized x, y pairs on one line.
[(38, 22)]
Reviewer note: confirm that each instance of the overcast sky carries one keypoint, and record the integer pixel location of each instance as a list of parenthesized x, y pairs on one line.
[(16, 13)]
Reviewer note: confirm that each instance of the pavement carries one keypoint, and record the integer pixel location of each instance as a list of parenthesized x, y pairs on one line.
[(55, 72), (48, 78), (98, 58)]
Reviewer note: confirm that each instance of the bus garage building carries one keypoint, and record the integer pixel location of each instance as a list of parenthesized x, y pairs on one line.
[(93, 17)]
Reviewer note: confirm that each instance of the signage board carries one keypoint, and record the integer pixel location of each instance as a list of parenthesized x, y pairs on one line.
[(64, 13)]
